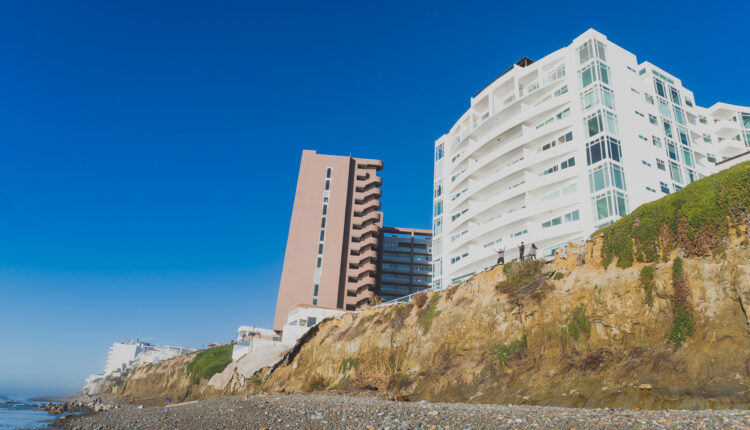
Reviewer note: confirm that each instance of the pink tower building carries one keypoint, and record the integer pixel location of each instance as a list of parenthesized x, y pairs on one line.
[(332, 248)]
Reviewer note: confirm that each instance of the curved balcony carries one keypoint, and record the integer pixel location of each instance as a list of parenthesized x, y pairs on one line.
[(368, 184), (369, 268), (362, 210), (356, 287), (371, 195), (371, 257)]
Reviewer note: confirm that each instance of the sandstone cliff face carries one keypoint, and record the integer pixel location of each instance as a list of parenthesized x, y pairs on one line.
[(588, 340), (585, 338)]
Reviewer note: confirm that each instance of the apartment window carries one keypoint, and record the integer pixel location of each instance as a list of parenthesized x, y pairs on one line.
[(328, 184), (675, 95), (561, 91), (707, 138), (690, 176), (660, 88), (317, 275), (684, 139), (674, 170), (601, 148), (664, 188), (438, 188), (660, 164), (688, 102), (668, 129), (320, 248), (672, 151), (652, 119), (599, 122), (598, 95), (319, 262), (553, 222), (687, 157), (325, 209), (315, 291), (572, 216), (649, 98), (438, 209), (315, 301), (711, 158), (646, 163), (602, 176), (557, 73), (328, 172), (702, 120), (609, 204), (322, 235), (323, 222), (664, 109), (590, 49), (679, 116), (746, 120), (593, 72), (437, 226), (657, 141), (439, 152)]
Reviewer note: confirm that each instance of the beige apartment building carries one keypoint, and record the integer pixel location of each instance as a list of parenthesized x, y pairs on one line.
[(331, 252)]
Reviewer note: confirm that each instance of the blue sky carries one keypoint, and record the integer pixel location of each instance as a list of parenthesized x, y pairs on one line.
[(149, 150)]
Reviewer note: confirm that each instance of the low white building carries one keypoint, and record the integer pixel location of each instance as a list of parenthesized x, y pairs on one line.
[(251, 338), (301, 318)]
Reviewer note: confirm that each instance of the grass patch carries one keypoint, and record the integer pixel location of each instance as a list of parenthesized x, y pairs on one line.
[(149, 366), (696, 219), (348, 364), (578, 324), (558, 276), (503, 352), (647, 283), (683, 322), (209, 362), (429, 314)]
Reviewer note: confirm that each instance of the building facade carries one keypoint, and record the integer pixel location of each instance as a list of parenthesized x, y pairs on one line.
[(554, 149), (331, 251), (405, 263)]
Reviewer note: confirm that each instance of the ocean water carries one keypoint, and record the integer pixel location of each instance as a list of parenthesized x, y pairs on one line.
[(17, 413)]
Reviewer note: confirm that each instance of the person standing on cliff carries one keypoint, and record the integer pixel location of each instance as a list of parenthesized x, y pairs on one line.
[(520, 251), (532, 252), (501, 255)]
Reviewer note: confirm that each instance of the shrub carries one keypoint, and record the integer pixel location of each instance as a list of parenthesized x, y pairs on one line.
[(683, 322), (647, 283), (695, 219), (523, 280), (578, 323), (429, 314), (558, 276), (375, 300), (503, 352), (209, 362)]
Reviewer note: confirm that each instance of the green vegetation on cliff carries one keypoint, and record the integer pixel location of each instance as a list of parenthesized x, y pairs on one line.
[(683, 323), (647, 283), (695, 219), (209, 362)]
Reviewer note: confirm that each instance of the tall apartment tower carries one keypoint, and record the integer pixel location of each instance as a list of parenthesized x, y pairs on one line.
[(554, 149), (331, 251)]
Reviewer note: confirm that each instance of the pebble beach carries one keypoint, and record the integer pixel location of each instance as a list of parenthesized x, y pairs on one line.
[(315, 411)]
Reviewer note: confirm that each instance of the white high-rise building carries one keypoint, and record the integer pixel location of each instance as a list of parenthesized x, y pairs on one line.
[(554, 149)]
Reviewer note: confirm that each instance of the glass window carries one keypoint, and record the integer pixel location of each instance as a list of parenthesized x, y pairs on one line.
[(602, 207), (320, 248), (687, 157), (660, 164), (322, 234), (603, 73), (675, 96), (325, 209), (668, 129), (611, 122), (664, 109), (690, 176), (594, 152), (315, 292), (621, 204), (746, 120), (674, 170), (439, 152), (320, 262), (649, 99), (323, 222), (594, 125), (587, 76), (328, 184), (683, 136), (437, 226), (679, 116), (618, 177), (652, 119), (672, 151), (438, 208), (598, 179), (607, 98), (657, 141), (328, 172), (438, 188), (660, 89)]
